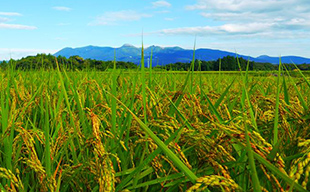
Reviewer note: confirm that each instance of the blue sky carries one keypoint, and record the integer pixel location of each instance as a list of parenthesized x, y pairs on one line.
[(251, 27)]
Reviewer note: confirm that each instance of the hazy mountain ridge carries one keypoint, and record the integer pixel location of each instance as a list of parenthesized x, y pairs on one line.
[(165, 55)]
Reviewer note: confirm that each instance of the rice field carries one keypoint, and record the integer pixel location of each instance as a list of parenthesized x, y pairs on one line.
[(145, 131)]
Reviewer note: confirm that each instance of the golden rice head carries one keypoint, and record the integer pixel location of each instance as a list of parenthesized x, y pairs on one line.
[(7, 174), (213, 181)]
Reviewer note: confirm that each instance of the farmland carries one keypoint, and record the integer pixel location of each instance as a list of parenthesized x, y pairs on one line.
[(139, 130)]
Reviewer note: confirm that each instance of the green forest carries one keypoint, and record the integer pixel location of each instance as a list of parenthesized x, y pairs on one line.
[(43, 61), (228, 63)]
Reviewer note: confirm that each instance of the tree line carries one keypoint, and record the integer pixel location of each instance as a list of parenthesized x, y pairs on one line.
[(43, 61), (228, 63)]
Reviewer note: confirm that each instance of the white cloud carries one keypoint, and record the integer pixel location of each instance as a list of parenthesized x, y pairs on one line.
[(233, 29), (240, 11), (157, 4), (169, 19), (4, 19), (16, 26), (16, 53), (60, 8), (237, 32), (244, 28), (241, 5), (112, 18), (5, 25), (10, 14), (250, 18)]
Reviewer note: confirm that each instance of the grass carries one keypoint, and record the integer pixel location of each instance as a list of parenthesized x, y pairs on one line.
[(154, 131)]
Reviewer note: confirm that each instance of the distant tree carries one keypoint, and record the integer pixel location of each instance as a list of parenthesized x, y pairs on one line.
[(48, 61)]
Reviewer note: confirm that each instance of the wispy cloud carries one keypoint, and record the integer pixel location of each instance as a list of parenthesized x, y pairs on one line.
[(246, 11), (113, 18), (157, 4), (249, 18), (4, 19), (233, 29), (17, 53), (249, 5), (269, 31), (10, 14), (16, 26), (5, 25), (61, 8)]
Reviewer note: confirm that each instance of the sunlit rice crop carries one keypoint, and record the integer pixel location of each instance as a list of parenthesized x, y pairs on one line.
[(142, 130)]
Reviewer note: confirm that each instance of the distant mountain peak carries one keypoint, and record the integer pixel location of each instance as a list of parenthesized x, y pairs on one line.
[(174, 47), (127, 45), (67, 48), (91, 46), (263, 56)]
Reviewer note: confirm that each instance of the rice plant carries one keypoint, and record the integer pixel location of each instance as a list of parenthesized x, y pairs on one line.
[(144, 130)]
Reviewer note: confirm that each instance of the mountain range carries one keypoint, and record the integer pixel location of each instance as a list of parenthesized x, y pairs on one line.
[(165, 55)]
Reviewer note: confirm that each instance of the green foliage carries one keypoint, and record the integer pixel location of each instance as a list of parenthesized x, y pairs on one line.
[(229, 63), (86, 131), (43, 61)]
